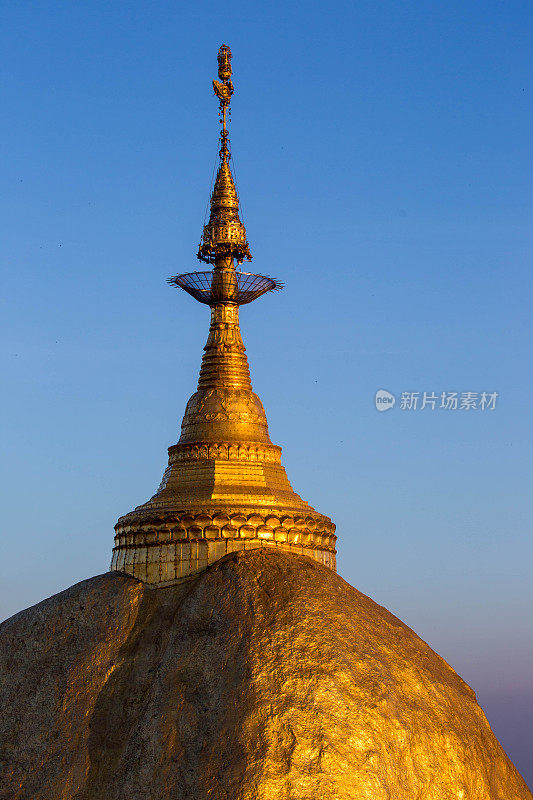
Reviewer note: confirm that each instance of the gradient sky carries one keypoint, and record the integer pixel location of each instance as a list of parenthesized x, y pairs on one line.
[(383, 158)]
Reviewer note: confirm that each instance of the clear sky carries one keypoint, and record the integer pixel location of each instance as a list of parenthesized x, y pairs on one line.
[(383, 158)]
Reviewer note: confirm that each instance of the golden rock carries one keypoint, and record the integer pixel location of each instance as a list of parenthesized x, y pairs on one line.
[(266, 677)]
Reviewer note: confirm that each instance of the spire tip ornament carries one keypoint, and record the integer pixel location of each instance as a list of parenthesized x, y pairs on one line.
[(224, 92)]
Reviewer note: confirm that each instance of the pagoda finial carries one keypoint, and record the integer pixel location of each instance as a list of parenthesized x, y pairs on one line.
[(224, 243), (224, 237)]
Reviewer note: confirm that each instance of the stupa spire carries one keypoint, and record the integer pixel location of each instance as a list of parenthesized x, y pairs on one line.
[(224, 488)]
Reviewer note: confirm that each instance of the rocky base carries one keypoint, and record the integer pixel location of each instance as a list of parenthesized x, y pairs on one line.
[(267, 677)]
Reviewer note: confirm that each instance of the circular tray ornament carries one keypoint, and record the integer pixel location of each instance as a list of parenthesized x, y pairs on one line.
[(237, 287)]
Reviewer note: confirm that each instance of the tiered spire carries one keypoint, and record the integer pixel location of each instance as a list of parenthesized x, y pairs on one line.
[(224, 488)]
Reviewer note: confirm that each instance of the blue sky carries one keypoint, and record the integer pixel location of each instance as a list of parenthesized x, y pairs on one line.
[(383, 158)]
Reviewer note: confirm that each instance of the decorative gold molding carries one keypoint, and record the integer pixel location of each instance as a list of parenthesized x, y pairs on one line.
[(143, 528), (232, 451)]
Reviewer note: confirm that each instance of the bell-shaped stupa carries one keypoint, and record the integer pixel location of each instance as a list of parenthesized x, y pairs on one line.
[(225, 488)]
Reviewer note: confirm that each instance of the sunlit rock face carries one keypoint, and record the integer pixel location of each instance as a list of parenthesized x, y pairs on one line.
[(265, 678)]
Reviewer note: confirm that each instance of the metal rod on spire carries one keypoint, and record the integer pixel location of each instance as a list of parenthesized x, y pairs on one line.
[(223, 89)]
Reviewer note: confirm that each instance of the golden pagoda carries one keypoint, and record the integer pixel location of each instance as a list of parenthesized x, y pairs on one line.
[(225, 488)]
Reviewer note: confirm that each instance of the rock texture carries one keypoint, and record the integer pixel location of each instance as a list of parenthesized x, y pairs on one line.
[(267, 677)]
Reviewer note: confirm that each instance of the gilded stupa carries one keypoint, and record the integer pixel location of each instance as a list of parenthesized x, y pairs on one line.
[(224, 489), (222, 657)]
